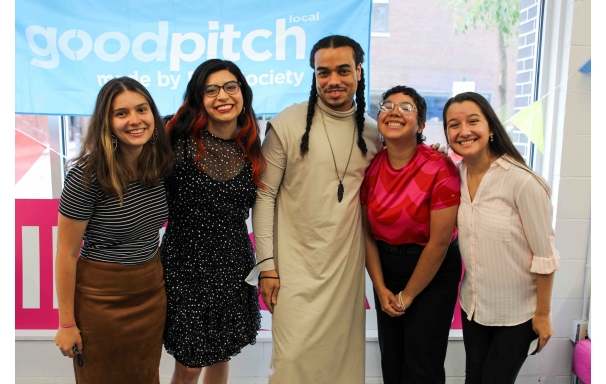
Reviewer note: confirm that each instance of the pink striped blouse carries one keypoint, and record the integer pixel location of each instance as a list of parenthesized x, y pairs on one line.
[(505, 238)]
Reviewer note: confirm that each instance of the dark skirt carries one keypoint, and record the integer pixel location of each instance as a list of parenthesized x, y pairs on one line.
[(120, 311)]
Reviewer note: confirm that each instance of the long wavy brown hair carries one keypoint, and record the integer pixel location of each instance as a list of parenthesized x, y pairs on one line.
[(501, 145), (109, 166)]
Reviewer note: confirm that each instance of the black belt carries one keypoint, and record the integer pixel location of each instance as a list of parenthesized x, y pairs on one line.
[(403, 249)]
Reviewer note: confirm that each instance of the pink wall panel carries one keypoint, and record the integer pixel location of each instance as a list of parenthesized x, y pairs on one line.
[(42, 214)]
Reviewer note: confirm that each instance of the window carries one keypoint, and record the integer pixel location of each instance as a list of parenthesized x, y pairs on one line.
[(425, 48), (37, 156), (379, 23)]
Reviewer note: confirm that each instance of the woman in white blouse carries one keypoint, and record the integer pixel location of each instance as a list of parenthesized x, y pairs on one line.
[(506, 241)]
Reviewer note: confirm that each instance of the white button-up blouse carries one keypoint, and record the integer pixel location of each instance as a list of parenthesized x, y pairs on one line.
[(505, 238)]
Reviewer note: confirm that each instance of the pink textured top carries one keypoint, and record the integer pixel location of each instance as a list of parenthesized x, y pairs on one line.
[(398, 201), (505, 238)]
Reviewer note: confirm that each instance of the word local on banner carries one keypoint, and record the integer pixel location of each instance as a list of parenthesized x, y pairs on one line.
[(66, 51)]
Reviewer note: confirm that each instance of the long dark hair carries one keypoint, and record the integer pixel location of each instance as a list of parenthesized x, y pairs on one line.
[(191, 117), (419, 102), (336, 41), (500, 144), (110, 166)]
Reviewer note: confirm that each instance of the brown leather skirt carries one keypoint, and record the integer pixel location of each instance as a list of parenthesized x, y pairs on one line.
[(120, 311)]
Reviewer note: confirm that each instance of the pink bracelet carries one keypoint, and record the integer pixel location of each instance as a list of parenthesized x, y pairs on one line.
[(67, 326)]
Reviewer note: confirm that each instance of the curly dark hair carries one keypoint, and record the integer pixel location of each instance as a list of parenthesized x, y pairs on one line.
[(419, 102), (336, 41)]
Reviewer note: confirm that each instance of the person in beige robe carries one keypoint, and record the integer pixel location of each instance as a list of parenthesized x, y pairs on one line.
[(307, 223)]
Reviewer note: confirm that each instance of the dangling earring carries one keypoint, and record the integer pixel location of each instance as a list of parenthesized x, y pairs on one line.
[(243, 110), (492, 137), (154, 137), (114, 142)]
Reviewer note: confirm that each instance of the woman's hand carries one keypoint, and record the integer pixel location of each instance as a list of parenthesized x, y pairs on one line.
[(269, 288), (66, 338), (389, 303), (439, 147), (541, 324), (406, 299)]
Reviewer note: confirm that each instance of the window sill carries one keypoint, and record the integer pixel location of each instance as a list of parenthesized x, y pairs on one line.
[(264, 336)]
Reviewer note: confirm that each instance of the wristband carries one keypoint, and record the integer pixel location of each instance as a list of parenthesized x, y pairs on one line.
[(67, 325), (400, 300)]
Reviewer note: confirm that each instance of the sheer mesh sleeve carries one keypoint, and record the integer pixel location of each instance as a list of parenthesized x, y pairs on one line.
[(222, 159)]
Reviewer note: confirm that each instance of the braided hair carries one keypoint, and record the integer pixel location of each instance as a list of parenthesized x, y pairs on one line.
[(336, 41)]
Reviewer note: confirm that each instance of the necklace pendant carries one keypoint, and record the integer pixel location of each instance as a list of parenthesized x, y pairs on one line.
[(340, 191)]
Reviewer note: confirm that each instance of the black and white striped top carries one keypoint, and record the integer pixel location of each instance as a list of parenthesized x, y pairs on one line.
[(127, 234)]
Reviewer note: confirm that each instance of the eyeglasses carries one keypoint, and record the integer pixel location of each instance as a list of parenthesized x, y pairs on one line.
[(405, 107), (231, 87)]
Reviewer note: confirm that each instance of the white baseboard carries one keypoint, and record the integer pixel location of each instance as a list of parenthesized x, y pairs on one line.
[(262, 336)]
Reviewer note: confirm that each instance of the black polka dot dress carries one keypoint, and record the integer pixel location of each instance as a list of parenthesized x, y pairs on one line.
[(206, 253)]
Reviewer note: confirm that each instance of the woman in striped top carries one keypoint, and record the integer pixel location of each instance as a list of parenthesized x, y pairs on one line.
[(506, 241), (112, 301)]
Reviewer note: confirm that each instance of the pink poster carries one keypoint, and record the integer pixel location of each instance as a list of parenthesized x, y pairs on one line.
[(35, 237)]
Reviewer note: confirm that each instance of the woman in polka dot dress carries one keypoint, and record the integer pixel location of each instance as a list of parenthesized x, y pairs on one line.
[(206, 251)]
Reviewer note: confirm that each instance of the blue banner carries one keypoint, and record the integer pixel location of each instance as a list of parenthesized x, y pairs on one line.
[(67, 50)]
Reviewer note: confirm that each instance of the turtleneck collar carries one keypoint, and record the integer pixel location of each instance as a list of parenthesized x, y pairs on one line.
[(336, 114)]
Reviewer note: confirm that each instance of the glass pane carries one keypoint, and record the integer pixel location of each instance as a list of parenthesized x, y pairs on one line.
[(430, 48), (77, 127), (32, 158), (380, 17)]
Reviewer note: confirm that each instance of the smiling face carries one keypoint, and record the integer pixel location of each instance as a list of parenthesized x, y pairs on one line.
[(223, 108), (396, 127), (132, 122), (337, 77), (468, 131)]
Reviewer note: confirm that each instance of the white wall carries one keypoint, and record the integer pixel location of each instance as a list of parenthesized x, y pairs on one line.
[(568, 104)]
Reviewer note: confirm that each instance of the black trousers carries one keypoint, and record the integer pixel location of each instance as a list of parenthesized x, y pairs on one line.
[(495, 355), (413, 346)]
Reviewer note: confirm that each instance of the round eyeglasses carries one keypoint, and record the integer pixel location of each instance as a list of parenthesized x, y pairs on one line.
[(231, 87), (405, 107)]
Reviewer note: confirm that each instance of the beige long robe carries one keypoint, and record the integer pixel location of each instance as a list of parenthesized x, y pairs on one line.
[(318, 324)]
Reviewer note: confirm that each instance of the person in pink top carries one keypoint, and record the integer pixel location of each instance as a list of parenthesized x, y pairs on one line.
[(506, 240), (410, 197)]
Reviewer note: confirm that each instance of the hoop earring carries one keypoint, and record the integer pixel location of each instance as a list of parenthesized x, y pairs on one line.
[(243, 111), (154, 137), (114, 142)]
